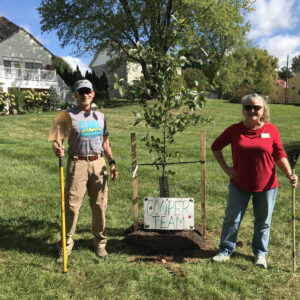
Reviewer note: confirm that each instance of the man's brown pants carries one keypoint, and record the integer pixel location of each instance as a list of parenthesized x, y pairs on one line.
[(81, 176)]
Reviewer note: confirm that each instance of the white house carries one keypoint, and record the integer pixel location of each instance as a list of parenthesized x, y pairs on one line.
[(24, 62), (104, 63)]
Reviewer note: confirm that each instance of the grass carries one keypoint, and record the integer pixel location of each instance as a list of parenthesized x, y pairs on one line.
[(30, 219)]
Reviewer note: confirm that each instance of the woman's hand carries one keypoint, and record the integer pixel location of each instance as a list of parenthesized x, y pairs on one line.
[(293, 179), (231, 172)]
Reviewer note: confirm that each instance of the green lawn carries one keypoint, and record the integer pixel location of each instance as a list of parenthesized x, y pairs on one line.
[(30, 219)]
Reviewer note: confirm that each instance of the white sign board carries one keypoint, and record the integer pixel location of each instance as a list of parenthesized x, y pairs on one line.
[(169, 213)]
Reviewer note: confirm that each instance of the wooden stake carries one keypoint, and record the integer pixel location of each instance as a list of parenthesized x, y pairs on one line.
[(203, 183), (134, 184)]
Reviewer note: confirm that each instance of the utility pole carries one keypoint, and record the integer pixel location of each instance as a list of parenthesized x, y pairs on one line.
[(286, 100)]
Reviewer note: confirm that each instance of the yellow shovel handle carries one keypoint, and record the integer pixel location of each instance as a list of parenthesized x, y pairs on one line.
[(63, 221)]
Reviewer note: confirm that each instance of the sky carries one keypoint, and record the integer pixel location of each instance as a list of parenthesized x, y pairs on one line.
[(275, 27)]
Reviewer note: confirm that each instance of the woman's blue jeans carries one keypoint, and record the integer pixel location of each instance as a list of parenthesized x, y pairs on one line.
[(237, 202)]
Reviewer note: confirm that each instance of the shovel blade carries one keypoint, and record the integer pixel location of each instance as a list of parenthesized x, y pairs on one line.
[(61, 127)]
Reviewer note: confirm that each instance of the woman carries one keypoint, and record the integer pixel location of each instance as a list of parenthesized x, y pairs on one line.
[(256, 147)]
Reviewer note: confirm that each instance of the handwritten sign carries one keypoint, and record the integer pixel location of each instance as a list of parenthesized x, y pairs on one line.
[(168, 213)]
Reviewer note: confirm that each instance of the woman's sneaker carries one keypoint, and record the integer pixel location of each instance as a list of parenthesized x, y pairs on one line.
[(260, 261), (220, 257)]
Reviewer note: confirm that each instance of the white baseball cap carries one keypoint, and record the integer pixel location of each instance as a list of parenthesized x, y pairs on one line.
[(84, 83)]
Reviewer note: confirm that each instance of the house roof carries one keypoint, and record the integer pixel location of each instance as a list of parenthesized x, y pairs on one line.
[(281, 82), (8, 28)]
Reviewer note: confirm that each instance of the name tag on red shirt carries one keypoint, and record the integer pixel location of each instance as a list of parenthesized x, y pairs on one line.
[(265, 135)]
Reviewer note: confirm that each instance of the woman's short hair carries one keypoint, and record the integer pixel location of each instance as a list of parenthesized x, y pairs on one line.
[(266, 114)]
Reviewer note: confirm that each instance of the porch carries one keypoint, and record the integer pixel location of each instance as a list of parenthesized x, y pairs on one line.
[(26, 78)]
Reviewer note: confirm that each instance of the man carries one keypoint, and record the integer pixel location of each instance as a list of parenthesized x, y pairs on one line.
[(86, 168)]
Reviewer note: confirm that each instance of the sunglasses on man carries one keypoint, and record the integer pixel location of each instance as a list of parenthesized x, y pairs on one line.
[(250, 107), (84, 91)]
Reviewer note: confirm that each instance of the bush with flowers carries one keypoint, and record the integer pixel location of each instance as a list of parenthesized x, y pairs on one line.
[(5, 99)]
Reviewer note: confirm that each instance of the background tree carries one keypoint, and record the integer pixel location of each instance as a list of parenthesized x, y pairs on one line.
[(194, 78), (65, 71), (100, 87), (61, 66), (121, 25), (214, 37), (248, 70), (116, 26), (54, 100), (296, 64), (284, 72), (77, 74)]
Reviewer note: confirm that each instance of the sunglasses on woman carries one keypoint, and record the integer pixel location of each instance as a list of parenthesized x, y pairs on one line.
[(84, 91), (250, 107)]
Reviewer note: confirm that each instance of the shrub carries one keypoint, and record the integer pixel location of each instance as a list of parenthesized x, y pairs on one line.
[(4, 98), (54, 100), (193, 75), (19, 98), (240, 92), (35, 101)]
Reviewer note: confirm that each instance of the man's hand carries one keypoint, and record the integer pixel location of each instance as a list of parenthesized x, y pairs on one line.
[(113, 172), (59, 151)]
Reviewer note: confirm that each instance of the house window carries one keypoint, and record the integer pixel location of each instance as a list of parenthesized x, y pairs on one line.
[(29, 65), (33, 64), (293, 87), (11, 62), (276, 92)]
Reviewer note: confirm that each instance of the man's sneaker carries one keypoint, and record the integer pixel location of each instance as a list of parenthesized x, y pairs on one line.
[(60, 258), (101, 253), (261, 261), (220, 257)]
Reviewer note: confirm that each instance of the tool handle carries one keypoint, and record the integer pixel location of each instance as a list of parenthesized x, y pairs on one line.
[(63, 220), (61, 162), (293, 227)]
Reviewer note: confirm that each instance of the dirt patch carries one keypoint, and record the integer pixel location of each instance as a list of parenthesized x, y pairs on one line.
[(164, 246)]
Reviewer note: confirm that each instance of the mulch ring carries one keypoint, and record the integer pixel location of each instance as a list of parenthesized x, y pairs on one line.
[(168, 248)]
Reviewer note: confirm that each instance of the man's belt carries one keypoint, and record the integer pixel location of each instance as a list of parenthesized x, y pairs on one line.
[(87, 157)]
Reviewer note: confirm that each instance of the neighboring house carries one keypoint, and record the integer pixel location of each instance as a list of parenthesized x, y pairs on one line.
[(294, 89), (291, 94), (24, 62), (278, 95), (104, 63)]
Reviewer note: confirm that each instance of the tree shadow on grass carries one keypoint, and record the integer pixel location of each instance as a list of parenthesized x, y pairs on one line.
[(27, 235), (32, 236)]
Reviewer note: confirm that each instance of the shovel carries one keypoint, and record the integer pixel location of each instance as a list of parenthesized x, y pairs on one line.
[(59, 131), (292, 150)]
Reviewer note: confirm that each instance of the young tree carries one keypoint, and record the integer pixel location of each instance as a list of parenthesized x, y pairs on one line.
[(175, 107)]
